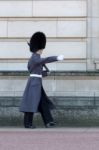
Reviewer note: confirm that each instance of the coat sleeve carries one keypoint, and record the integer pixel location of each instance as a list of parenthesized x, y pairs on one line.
[(46, 60)]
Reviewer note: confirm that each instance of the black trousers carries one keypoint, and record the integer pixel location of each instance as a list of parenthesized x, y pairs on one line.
[(28, 118), (44, 110)]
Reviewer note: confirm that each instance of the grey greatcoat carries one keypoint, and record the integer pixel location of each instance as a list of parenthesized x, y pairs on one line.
[(32, 93)]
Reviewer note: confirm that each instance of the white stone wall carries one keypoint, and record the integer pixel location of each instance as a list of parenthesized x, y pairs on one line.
[(54, 86), (71, 27), (63, 21)]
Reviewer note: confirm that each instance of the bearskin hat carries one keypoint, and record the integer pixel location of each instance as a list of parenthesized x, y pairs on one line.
[(37, 42)]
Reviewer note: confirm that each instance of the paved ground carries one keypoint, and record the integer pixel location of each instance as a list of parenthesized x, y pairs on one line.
[(49, 139)]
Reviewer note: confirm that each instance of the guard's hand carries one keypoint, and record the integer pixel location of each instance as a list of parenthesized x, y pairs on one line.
[(60, 57)]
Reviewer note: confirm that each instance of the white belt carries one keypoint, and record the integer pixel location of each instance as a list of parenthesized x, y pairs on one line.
[(36, 75)]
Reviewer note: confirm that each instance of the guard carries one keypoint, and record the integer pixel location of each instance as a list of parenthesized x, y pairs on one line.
[(34, 97)]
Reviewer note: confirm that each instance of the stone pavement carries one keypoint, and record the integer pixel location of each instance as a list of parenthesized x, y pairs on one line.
[(49, 139)]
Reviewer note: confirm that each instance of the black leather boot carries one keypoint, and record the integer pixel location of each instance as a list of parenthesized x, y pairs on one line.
[(50, 124)]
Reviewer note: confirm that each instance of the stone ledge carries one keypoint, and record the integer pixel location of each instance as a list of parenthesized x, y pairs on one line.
[(52, 73), (60, 102)]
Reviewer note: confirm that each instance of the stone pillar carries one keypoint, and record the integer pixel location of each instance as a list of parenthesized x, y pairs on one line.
[(95, 33)]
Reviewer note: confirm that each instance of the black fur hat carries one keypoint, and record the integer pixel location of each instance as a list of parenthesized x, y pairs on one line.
[(37, 42)]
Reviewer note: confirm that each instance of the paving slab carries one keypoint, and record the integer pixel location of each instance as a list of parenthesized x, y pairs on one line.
[(49, 139)]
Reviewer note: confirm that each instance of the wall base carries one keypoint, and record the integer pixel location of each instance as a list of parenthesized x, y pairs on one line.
[(65, 115)]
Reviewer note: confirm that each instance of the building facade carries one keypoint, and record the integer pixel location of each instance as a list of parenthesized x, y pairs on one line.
[(72, 29)]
